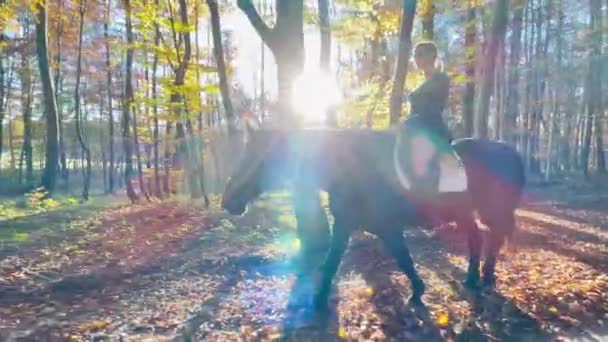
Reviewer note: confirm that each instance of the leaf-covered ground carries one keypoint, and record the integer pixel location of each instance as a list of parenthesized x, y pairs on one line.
[(173, 271)]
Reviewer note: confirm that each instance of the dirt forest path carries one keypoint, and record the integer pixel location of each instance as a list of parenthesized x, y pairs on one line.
[(171, 271)]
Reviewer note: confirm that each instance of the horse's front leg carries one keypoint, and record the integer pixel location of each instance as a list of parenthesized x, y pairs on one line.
[(339, 242), (397, 248), (467, 224)]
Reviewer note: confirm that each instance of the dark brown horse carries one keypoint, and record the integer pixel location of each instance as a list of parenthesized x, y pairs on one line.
[(356, 169)]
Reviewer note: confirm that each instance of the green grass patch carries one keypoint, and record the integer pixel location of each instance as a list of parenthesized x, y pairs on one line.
[(31, 217)]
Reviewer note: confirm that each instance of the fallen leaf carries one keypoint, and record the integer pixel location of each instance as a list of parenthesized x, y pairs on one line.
[(94, 325), (442, 320), (342, 333)]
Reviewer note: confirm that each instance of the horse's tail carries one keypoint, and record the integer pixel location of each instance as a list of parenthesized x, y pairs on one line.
[(498, 178), (514, 193)]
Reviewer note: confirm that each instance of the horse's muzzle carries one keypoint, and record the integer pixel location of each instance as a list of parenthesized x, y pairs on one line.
[(233, 207)]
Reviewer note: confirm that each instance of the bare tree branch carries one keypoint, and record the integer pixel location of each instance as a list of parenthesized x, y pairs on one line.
[(265, 32)]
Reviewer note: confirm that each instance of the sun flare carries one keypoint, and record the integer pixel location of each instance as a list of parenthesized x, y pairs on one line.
[(314, 92)]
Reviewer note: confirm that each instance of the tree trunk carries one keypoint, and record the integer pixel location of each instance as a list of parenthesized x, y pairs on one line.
[(541, 74), (2, 102), (77, 108), (157, 185), (588, 122), (140, 173), (112, 157), (26, 107), (557, 94), (405, 47), (597, 69), (496, 39), (184, 156), (51, 164), (102, 141), (127, 106), (512, 110), (62, 159), (470, 53), (499, 82), (428, 19), (10, 141), (6, 111), (286, 41), (325, 53), (218, 52), (167, 158)]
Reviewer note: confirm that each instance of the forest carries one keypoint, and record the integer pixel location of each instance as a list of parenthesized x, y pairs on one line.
[(124, 125)]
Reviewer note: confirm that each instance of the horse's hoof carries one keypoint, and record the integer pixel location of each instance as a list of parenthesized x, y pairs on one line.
[(319, 302), (471, 283), (416, 301), (418, 288), (489, 283)]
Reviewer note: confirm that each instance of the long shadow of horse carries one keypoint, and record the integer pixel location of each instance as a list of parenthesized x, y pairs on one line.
[(494, 316), (399, 320)]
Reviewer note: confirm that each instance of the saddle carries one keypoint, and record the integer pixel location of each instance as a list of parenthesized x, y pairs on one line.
[(426, 163)]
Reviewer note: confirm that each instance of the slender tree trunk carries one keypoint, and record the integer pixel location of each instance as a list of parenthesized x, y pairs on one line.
[(596, 68), (127, 106), (62, 159), (542, 71), (557, 93), (325, 55), (184, 156), (218, 52), (78, 112), (167, 156), (470, 53), (102, 141), (50, 107), (8, 111), (109, 90), (2, 104), (21, 159), (11, 146), (588, 123), (598, 105), (157, 185), (512, 110), (200, 137), (140, 173), (566, 142), (3, 101), (26, 96), (428, 19), (405, 47), (499, 85), (496, 39)]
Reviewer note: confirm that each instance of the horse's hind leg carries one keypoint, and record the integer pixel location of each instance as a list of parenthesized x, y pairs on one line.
[(467, 223), (339, 242), (395, 245)]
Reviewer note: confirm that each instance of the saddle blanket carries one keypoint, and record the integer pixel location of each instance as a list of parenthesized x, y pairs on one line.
[(452, 175)]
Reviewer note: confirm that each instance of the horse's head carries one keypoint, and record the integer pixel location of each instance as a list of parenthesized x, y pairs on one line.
[(259, 169)]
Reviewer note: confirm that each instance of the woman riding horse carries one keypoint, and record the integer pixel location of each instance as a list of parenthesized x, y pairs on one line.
[(427, 103)]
